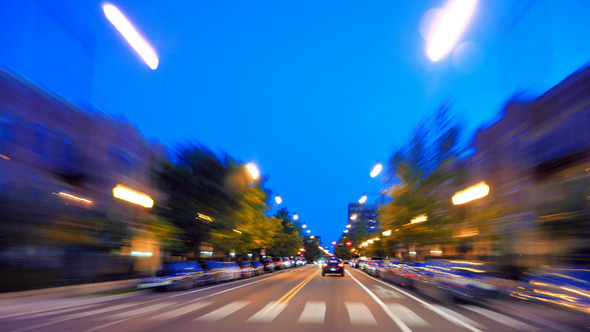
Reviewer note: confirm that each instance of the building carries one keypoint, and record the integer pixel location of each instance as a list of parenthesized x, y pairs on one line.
[(363, 215)]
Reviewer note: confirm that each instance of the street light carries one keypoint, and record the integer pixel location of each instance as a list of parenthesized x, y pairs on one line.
[(278, 199), (253, 170), (447, 27), (471, 193), (295, 217), (304, 226), (353, 217), (363, 199), (346, 231), (348, 226), (309, 231), (376, 170)]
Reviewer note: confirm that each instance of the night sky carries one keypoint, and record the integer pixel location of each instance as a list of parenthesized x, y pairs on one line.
[(313, 92)]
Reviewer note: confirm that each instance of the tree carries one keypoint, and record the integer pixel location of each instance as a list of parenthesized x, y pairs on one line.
[(289, 240), (418, 174)]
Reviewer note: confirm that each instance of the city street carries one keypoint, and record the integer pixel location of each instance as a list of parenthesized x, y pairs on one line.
[(290, 300)]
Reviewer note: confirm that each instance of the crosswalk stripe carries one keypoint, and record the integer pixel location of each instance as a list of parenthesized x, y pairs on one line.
[(509, 321), (100, 311), (458, 316), (269, 312), (180, 311), (140, 311), (313, 313), (406, 315), (358, 313), (223, 311)]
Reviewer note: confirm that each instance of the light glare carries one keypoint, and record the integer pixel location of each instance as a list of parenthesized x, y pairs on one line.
[(448, 27), (278, 199), (376, 170), (134, 39), (471, 193), (132, 196), (363, 199), (253, 170), (295, 217)]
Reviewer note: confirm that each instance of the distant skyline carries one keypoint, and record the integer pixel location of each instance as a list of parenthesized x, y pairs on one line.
[(313, 93)]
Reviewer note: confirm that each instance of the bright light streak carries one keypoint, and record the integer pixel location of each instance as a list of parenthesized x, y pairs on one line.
[(364, 244), (333, 243), (469, 194), (387, 233), (133, 37), (436, 251), (448, 27), (348, 226), (75, 198), (304, 226), (278, 199), (141, 253), (295, 217), (132, 196), (370, 241), (413, 253), (376, 170), (3, 156), (309, 230), (312, 237), (237, 231), (363, 199), (253, 170), (420, 218), (353, 217), (346, 231)]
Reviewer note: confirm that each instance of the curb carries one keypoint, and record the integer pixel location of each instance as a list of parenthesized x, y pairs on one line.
[(66, 291)]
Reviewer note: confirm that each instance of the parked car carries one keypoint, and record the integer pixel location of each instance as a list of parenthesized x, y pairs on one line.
[(564, 287), (287, 262), (279, 263), (404, 274), (269, 264), (333, 266), (246, 269), (175, 276), (233, 270), (257, 268)]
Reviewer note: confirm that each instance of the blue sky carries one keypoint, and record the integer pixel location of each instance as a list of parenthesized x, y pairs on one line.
[(313, 92)]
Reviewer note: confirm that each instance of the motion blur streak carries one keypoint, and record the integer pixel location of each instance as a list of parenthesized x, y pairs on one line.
[(474, 192), (134, 39), (448, 27), (130, 195)]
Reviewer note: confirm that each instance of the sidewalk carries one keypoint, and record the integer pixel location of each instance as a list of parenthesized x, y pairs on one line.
[(65, 291)]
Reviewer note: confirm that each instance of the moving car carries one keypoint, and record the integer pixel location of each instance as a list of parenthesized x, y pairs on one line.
[(333, 266), (175, 276)]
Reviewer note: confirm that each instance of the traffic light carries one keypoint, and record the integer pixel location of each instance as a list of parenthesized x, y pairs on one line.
[(349, 243)]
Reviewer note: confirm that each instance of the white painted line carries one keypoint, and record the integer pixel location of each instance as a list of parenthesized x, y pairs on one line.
[(407, 316), (55, 312), (223, 311), (100, 311), (313, 313), (268, 313), (180, 311), (459, 316), (509, 321), (358, 313), (389, 313), (140, 311), (429, 306)]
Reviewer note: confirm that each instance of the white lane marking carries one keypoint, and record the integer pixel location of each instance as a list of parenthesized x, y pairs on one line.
[(389, 313), (55, 312), (406, 315), (509, 321), (140, 311), (223, 311), (459, 316), (385, 293), (268, 313), (180, 311), (430, 306), (358, 313), (313, 313)]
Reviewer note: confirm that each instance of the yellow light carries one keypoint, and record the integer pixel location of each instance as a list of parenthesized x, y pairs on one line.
[(386, 233), (420, 218), (370, 241), (75, 198), (132, 196), (377, 238), (364, 244), (237, 231), (253, 170), (353, 217), (204, 217), (448, 27), (134, 39), (141, 253), (3, 156), (376, 170), (471, 193), (348, 226)]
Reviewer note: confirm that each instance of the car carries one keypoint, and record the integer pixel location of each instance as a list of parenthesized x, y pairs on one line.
[(257, 268), (246, 269), (269, 264), (288, 263), (333, 266), (175, 276), (279, 263)]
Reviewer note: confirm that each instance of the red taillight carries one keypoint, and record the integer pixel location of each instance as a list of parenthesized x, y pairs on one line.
[(325, 264), (341, 264)]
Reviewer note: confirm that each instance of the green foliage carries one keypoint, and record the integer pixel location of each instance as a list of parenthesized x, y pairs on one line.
[(419, 172), (289, 240)]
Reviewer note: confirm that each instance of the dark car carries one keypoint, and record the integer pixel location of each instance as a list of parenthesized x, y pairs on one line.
[(333, 265), (175, 276), (246, 269), (257, 268), (269, 264)]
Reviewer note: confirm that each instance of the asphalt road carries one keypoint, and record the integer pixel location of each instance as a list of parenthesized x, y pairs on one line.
[(297, 299)]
